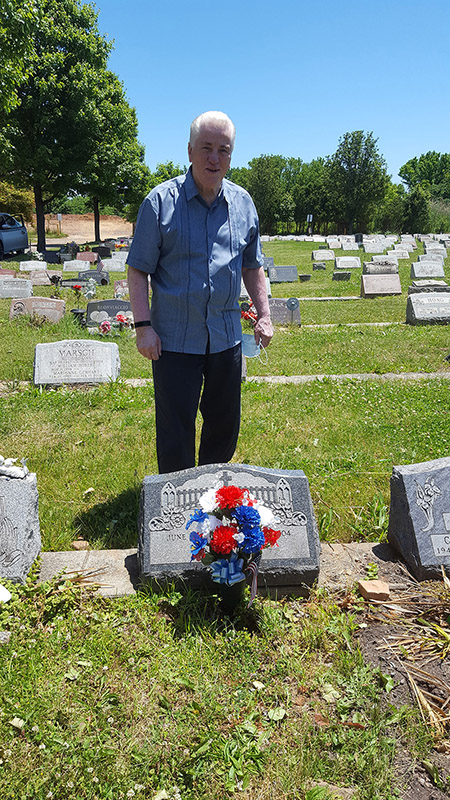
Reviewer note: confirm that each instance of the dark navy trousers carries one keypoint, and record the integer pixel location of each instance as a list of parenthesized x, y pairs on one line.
[(183, 382)]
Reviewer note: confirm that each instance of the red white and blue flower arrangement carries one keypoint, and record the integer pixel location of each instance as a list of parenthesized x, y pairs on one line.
[(231, 529)]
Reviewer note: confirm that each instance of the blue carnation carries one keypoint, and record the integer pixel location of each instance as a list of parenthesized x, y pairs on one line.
[(254, 540), (197, 516), (198, 543), (247, 517)]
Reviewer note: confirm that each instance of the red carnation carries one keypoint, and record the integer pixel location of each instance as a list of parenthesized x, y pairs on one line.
[(230, 496), (271, 537), (222, 539)]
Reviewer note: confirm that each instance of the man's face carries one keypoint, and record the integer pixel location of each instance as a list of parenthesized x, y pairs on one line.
[(210, 156)]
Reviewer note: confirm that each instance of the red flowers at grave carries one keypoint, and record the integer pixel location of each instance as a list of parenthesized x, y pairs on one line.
[(271, 537), (222, 540), (229, 497)]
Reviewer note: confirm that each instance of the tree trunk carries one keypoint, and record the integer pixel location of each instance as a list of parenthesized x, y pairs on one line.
[(40, 217), (96, 220)]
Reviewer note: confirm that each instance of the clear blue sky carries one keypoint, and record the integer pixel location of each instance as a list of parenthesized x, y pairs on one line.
[(293, 76)]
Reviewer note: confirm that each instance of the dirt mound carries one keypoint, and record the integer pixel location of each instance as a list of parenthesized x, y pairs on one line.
[(80, 227)]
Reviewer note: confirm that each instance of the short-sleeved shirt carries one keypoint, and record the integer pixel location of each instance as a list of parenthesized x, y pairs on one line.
[(195, 254)]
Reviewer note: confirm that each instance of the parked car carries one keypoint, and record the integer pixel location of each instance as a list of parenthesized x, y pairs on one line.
[(13, 234)]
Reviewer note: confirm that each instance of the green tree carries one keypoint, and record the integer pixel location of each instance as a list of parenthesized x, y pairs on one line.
[(266, 188), (16, 201), (389, 215), (115, 170), (49, 132), (417, 211), (239, 175), (358, 179), (18, 19), (431, 170), (311, 194)]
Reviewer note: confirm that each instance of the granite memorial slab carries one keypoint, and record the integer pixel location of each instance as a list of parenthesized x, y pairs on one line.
[(113, 265), (400, 254), (380, 268), (346, 245), (419, 516), (428, 286), (387, 258), (318, 265), (428, 308), (20, 538), (102, 250), (268, 262), (437, 257), (379, 285), (87, 255), (99, 310), (71, 265), (284, 311), (41, 278), (322, 255), (427, 269), (283, 274), (32, 266), (15, 288), (347, 262), (374, 247), (101, 278), (120, 289), (168, 500), (76, 361), (47, 307), (341, 276), (7, 273)]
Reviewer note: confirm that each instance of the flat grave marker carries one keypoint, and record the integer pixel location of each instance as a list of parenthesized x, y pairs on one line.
[(347, 262), (341, 276), (168, 500), (428, 286), (379, 285), (419, 516), (381, 268), (32, 266), (76, 361), (322, 255)]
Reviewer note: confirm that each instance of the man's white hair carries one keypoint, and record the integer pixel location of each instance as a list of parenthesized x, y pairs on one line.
[(217, 117)]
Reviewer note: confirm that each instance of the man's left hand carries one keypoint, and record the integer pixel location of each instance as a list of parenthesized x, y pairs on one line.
[(263, 331)]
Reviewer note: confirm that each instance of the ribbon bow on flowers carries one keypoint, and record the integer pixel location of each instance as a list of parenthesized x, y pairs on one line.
[(232, 528)]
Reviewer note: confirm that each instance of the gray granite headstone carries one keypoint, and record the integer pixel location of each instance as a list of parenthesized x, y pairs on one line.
[(374, 247), (419, 516), (341, 276), (167, 502), (284, 311), (386, 258), (72, 265), (400, 253), (268, 262), (32, 266), (15, 287), (380, 268), (20, 538), (319, 265), (76, 361), (379, 285), (113, 265), (101, 278), (437, 257), (347, 262), (348, 245), (427, 269), (283, 274), (428, 286), (322, 255), (40, 278), (47, 307), (99, 310), (428, 308)]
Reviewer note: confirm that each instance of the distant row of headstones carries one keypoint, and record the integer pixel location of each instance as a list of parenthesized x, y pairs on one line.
[(419, 522)]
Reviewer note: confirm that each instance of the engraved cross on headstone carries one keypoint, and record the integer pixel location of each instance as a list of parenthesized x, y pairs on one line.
[(226, 477)]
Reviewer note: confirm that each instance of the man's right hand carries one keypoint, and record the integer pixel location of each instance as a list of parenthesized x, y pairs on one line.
[(148, 343)]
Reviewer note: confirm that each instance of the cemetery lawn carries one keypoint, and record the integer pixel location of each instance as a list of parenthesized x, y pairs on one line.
[(159, 696), (135, 696)]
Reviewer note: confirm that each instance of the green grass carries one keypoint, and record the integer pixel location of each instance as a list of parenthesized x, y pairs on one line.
[(131, 697)]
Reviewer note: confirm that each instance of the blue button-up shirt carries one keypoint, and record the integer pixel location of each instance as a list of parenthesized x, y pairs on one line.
[(195, 254)]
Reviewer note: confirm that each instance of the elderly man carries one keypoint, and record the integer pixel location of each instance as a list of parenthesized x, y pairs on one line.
[(195, 235)]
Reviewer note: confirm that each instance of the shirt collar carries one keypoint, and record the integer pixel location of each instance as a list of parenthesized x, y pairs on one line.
[(192, 190)]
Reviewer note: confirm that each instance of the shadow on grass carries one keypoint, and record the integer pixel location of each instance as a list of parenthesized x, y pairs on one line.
[(112, 524)]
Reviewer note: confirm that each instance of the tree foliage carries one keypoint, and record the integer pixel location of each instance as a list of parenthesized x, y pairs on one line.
[(18, 21), (16, 201), (431, 170), (358, 178), (49, 132)]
